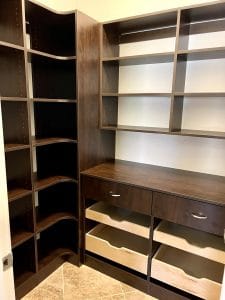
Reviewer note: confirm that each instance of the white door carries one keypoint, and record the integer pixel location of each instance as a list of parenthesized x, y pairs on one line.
[(6, 274)]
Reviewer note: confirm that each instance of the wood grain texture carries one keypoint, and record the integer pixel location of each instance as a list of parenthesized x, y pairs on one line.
[(11, 22), (195, 214), (94, 145), (126, 196), (197, 186)]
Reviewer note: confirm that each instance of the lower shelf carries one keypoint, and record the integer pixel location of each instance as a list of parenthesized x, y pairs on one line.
[(191, 273), (20, 237), (61, 239), (17, 192), (119, 246), (59, 252)]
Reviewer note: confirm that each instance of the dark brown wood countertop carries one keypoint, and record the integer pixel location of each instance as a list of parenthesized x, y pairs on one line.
[(197, 186)]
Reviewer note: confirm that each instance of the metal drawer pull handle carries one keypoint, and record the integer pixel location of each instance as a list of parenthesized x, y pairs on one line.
[(113, 195), (199, 216)]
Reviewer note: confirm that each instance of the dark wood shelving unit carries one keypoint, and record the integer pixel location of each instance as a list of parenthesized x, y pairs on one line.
[(175, 200), (181, 25), (49, 100)]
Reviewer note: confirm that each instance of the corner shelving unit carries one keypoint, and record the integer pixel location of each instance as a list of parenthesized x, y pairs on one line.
[(47, 94)]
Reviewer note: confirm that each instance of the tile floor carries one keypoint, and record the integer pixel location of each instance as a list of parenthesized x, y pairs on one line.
[(69, 282)]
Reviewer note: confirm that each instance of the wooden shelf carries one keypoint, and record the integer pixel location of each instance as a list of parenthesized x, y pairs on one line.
[(54, 100), (54, 254), (201, 94), (136, 129), (47, 182), (46, 222), (200, 133), (136, 94), (51, 140), (20, 237), (10, 45), (190, 240), (14, 147), (22, 99), (183, 132), (17, 193), (119, 218), (48, 55), (154, 58), (19, 280), (201, 54)]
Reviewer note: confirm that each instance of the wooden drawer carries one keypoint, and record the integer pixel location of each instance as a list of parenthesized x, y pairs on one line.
[(122, 195), (121, 218), (191, 273), (119, 246), (195, 214)]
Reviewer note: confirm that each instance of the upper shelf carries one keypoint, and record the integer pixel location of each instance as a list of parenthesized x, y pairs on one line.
[(55, 33), (141, 59), (202, 54), (40, 53), (160, 130), (136, 94)]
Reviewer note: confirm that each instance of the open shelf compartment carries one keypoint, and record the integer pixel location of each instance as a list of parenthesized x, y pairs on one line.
[(59, 240), (24, 265), (56, 203), (11, 22), (55, 34), (21, 220), (15, 124), (55, 120), (57, 160), (53, 79), (18, 171), (12, 72)]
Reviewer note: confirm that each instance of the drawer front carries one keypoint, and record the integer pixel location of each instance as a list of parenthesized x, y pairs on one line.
[(122, 195), (195, 214)]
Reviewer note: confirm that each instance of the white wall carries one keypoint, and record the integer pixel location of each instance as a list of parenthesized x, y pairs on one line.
[(58, 5), (104, 10)]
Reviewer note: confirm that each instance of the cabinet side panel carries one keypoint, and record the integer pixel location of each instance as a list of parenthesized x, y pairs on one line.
[(95, 146)]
